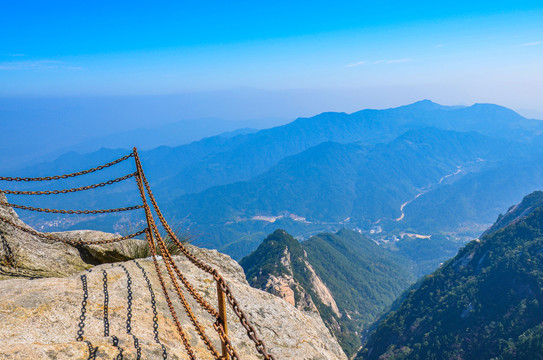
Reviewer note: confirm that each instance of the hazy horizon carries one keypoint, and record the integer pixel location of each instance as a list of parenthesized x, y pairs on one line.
[(75, 73), (376, 55)]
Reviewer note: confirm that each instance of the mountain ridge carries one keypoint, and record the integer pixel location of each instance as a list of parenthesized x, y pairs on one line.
[(344, 277), (245, 159)]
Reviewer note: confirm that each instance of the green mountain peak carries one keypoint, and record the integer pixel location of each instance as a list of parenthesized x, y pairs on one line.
[(345, 277)]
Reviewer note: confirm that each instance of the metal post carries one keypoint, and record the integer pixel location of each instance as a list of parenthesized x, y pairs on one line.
[(222, 313)]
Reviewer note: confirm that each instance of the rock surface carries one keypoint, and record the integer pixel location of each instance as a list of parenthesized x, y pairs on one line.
[(25, 255), (40, 317)]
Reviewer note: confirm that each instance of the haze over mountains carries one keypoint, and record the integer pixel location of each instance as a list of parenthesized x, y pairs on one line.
[(418, 169), (38, 129)]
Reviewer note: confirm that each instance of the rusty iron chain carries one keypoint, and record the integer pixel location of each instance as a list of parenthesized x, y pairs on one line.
[(58, 177), (106, 318), (155, 312), (251, 332), (129, 313), (82, 317), (71, 242), (166, 257), (180, 330), (222, 333), (67, 191), (74, 212), (224, 338), (203, 303), (173, 313)]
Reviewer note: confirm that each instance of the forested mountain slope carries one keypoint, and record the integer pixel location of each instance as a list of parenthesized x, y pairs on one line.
[(346, 277), (485, 303)]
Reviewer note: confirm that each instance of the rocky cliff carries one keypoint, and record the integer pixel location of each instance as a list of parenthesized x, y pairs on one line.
[(43, 305), (287, 273)]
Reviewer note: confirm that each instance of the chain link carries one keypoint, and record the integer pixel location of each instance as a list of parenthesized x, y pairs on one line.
[(116, 344), (218, 326), (106, 318), (129, 312), (166, 257), (207, 306), (169, 302), (82, 317), (67, 191), (71, 242), (58, 177), (153, 307), (76, 212), (173, 313), (106, 305)]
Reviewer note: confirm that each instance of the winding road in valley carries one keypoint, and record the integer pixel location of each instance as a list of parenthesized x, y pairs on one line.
[(430, 187)]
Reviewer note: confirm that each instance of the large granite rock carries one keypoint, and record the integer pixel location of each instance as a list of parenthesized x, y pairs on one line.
[(40, 315)]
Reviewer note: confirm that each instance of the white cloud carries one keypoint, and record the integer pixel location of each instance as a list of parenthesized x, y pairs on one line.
[(376, 62), (37, 65), (356, 64), (533, 43)]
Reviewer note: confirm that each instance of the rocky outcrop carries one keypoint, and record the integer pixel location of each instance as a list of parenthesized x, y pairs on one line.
[(321, 290), (41, 317), (25, 255), (517, 212), (286, 288), (289, 276), (283, 285)]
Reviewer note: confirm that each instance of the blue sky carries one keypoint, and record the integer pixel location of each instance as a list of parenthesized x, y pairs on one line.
[(377, 55)]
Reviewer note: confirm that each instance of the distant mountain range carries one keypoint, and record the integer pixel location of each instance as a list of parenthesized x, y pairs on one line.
[(332, 182), (485, 303), (418, 169)]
